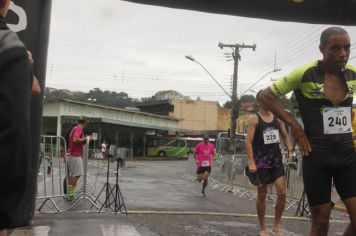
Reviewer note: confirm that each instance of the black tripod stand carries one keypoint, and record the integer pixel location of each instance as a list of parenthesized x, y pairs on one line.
[(113, 197), (303, 207), (118, 200), (107, 189)]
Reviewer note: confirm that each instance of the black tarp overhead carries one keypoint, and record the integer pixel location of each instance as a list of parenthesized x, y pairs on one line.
[(340, 12), (31, 20)]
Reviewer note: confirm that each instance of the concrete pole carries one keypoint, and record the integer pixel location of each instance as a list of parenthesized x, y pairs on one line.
[(131, 145), (234, 102), (59, 126), (100, 133), (144, 143)]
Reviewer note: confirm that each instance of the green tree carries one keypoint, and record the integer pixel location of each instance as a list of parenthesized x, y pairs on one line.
[(227, 104), (105, 98), (247, 98)]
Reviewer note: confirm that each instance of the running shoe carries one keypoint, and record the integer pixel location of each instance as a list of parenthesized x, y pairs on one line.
[(49, 169), (71, 191), (68, 198), (252, 177)]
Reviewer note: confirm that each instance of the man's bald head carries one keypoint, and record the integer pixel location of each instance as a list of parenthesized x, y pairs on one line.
[(326, 34)]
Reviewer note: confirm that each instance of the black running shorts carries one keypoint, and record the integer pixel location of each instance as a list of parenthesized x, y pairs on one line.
[(320, 168), (201, 170), (269, 175)]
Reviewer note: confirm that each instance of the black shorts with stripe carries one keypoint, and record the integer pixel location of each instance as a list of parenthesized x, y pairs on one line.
[(202, 170), (269, 175)]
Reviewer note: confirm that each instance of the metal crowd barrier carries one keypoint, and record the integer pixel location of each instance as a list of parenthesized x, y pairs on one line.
[(227, 176), (53, 180), (52, 171), (95, 154)]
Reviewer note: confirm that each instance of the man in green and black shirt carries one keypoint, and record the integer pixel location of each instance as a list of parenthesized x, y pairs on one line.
[(324, 90)]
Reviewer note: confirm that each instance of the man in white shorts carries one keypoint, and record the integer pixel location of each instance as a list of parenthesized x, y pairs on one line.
[(75, 150)]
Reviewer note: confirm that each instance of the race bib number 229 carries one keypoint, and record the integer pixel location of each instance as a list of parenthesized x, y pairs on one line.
[(271, 136)]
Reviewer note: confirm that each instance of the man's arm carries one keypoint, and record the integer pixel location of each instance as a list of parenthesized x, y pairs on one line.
[(195, 154), (76, 137), (352, 118), (36, 88), (285, 137), (251, 129), (282, 86), (271, 102), (286, 140), (214, 152)]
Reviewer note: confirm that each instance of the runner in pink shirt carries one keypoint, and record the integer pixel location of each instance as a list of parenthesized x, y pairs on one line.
[(203, 154)]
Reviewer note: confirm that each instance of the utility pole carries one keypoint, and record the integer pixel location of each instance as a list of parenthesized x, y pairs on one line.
[(236, 48)]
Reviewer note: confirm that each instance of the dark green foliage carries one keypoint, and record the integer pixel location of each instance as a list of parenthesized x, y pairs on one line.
[(105, 98)]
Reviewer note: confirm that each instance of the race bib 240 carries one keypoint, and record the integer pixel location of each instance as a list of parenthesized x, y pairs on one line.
[(337, 120)]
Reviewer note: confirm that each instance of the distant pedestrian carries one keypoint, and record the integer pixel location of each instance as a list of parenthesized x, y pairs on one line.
[(104, 149), (204, 153)]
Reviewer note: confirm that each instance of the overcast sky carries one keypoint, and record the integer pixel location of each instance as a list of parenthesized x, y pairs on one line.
[(119, 46)]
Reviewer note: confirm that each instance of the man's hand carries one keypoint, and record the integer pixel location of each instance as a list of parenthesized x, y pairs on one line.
[(36, 88), (252, 166), (291, 156), (300, 138)]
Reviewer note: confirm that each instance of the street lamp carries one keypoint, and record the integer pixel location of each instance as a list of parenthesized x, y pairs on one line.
[(192, 59), (272, 71)]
